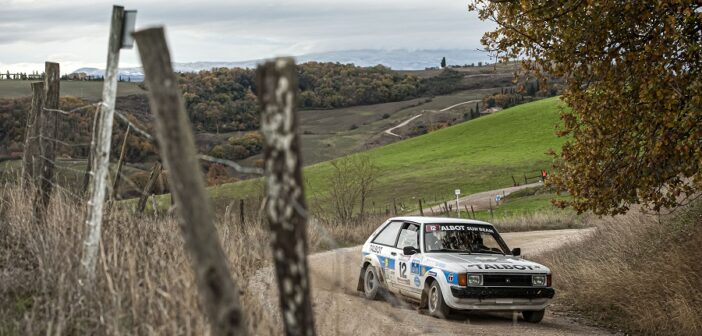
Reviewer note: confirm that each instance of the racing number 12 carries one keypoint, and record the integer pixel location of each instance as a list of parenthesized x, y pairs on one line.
[(403, 270)]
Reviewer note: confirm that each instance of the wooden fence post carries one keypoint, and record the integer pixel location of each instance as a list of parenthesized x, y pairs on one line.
[(472, 211), (30, 157), (394, 207), (149, 187), (219, 292), (514, 182), (421, 211), (48, 122), (101, 155), (286, 209), (91, 152), (525, 179), (120, 163)]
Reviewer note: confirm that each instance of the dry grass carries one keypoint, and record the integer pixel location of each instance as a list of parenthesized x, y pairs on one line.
[(144, 282), (636, 273), (545, 220)]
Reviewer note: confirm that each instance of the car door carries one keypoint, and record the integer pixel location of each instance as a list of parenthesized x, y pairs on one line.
[(383, 246), (407, 268)]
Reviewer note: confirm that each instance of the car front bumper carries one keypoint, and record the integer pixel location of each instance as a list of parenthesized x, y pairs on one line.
[(499, 298)]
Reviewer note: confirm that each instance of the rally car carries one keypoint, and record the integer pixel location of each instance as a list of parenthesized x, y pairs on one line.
[(449, 263)]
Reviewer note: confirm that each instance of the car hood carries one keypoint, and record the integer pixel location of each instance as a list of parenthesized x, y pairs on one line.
[(483, 263)]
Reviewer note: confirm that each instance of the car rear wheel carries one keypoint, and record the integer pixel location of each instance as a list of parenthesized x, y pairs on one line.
[(435, 302), (371, 283), (533, 316)]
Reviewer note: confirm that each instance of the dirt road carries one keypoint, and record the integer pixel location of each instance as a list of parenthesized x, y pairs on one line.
[(340, 310), (479, 201)]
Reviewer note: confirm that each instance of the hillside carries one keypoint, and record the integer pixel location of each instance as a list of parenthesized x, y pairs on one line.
[(477, 155)]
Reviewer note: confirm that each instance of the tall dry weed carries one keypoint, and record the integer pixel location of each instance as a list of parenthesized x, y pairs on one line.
[(144, 283), (640, 273)]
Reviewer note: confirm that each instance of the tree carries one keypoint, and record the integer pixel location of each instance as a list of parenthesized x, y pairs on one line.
[(633, 82), (443, 62), (351, 184)]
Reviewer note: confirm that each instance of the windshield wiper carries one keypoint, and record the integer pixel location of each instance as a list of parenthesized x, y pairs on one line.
[(451, 250)]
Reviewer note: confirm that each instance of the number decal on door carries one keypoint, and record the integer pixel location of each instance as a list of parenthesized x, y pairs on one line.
[(403, 270)]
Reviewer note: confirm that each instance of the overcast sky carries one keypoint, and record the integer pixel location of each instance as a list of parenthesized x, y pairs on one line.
[(74, 32)]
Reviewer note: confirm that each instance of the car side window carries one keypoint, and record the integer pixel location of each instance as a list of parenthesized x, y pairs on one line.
[(388, 235), (409, 236)]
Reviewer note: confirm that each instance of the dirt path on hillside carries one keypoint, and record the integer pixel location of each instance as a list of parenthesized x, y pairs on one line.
[(390, 130), (341, 310), (402, 124), (479, 201)]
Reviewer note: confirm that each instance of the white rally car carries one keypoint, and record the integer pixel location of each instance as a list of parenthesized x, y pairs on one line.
[(449, 263)]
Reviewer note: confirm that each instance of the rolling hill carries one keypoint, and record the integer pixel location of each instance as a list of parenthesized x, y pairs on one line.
[(477, 155)]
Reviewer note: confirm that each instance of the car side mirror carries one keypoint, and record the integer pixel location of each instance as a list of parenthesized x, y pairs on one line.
[(409, 250), (516, 251)]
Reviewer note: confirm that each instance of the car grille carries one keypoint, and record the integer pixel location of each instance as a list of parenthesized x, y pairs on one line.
[(507, 280)]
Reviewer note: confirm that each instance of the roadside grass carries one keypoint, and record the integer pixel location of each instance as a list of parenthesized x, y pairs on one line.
[(636, 273), (91, 90), (477, 155), (144, 283)]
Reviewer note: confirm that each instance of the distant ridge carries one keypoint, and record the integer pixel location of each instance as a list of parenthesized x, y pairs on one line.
[(399, 59)]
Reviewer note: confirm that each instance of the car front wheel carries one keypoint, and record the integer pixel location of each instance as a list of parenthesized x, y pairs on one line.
[(435, 302), (371, 283), (533, 316)]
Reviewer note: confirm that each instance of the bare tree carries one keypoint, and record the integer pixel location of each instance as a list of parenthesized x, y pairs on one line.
[(351, 184)]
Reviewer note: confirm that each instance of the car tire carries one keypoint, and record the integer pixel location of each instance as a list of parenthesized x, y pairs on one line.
[(533, 316), (435, 302), (371, 283)]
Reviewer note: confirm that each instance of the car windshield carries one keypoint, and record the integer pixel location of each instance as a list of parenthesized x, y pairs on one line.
[(463, 238)]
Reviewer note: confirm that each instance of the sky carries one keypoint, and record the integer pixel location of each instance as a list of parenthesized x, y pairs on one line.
[(74, 32)]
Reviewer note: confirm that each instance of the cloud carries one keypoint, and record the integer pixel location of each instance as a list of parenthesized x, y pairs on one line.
[(223, 30)]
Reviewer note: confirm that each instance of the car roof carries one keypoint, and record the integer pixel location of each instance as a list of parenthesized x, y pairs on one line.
[(438, 220)]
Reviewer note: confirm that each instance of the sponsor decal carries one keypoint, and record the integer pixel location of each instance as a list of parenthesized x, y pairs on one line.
[(415, 268), (386, 262), (441, 227), (404, 281), (450, 277), (504, 267), (432, 273), (417, 281), (376, 249)]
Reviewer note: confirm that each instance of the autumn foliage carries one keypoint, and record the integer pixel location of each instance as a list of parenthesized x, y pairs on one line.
[(633, 82)]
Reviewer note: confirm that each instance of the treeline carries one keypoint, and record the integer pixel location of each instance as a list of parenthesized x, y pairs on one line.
[(73, 130), (223, 100)]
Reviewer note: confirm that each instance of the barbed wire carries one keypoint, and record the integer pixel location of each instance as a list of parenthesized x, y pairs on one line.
[(69, 112), (121, 116)]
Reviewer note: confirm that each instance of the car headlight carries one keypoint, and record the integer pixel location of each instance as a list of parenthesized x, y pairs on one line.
[(538, 280), (475, 280)]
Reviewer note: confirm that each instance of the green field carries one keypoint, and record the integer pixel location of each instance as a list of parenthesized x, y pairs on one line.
[(90, 90), (474, 156)]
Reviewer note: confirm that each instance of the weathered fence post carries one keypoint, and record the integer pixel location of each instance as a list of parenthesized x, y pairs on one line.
[(30, 157), (472, 211), (514, 182), (421, 211), (91, 152), (120, 163), (149, 187), (394, 207), (525, 179), (47, 138), (286, 209), (219, 293), (101, 155)]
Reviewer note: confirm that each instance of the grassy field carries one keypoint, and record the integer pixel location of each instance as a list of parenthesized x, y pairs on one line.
[(474, 156), (82, 89)]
